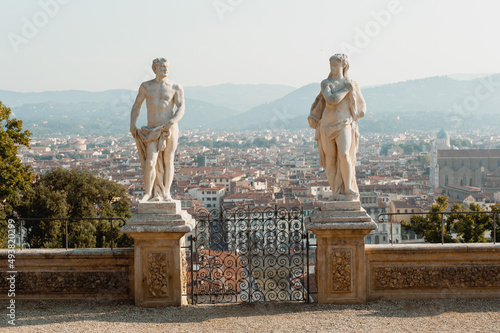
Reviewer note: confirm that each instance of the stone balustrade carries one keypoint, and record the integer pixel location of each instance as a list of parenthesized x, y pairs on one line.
[(402, 272), (429, 271), (70, 274)]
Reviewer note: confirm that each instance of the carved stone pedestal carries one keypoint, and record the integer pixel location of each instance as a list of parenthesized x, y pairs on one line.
[(340, 228), (158, 230)]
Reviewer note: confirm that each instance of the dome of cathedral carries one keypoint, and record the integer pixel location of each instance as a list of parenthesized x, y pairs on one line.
[(443, 134)]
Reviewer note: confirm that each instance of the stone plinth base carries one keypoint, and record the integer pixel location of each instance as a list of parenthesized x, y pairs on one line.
[(160, 274), (340, 228)]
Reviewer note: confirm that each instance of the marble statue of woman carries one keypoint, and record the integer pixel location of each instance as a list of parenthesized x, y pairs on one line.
[(334, 115)]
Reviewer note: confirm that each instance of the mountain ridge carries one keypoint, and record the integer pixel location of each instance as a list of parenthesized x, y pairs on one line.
[(427, 103)]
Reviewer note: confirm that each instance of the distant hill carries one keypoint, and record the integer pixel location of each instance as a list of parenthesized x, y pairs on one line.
[(425, 104), (278, 114), (239, 97), (104, 117), (417, 104), (12, 98), (84, 112), (468, 76)]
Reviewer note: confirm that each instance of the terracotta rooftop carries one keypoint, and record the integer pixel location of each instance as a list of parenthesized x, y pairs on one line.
[(464, 188), (475, 153)]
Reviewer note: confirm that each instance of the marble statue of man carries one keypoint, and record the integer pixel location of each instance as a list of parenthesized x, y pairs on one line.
[(157, 142), (334, 115)]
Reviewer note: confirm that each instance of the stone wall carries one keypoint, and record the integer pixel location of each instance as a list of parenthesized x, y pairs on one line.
[(70, 274), (392, 272), (432, 271)]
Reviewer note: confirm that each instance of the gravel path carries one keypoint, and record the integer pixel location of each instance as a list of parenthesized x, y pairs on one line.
[(380, 316)]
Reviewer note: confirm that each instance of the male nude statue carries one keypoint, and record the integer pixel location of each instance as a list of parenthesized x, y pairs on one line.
[(157, 142), (334, 115)]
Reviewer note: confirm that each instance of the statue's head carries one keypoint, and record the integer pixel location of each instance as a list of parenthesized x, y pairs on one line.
[(340, 59), (159, 62)]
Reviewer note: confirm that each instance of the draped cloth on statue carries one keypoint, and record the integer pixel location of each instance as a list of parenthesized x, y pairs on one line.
[(326, 135), (158, 136)]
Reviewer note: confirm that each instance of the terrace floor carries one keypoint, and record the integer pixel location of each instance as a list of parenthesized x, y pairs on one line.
[(380, 316)]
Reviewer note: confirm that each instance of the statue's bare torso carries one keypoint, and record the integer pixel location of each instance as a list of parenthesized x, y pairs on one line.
[(158, 141), (160, 101)]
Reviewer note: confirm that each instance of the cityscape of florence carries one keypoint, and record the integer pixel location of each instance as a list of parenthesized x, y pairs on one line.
[(234, 169)]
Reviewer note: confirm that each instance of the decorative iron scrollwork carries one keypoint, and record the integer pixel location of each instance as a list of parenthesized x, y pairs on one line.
[(248, 255)]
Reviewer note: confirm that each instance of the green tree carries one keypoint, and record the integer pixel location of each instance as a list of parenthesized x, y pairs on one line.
[(72, 194), (183, 140), (495, 208), (470, 227), (14, 177), (40, 201), (384, 150), (459, 143), (425, 160), (408, 148), (429, 226), (424, 146), (263, 142)]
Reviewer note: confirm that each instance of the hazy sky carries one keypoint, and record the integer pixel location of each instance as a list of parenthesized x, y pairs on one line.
[(109, 44)]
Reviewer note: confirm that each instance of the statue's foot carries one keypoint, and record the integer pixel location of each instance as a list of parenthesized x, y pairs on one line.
[(167, 198), (145, 198), (336, 197), (352, 197), (155, 198)]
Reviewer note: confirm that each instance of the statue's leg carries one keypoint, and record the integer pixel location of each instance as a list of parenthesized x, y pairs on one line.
[(150, 168), (330, 151), (344, 141), (169, 160)]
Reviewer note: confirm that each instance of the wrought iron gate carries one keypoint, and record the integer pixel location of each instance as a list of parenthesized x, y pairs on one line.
[(248, 255)]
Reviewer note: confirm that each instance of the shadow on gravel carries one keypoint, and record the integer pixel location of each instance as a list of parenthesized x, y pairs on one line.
[(32, 313), (430, 308)]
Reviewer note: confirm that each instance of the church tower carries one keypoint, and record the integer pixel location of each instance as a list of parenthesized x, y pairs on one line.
[(442, 142)]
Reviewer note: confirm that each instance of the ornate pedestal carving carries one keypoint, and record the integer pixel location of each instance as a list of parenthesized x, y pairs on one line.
[(158, 230), (340, 228)]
